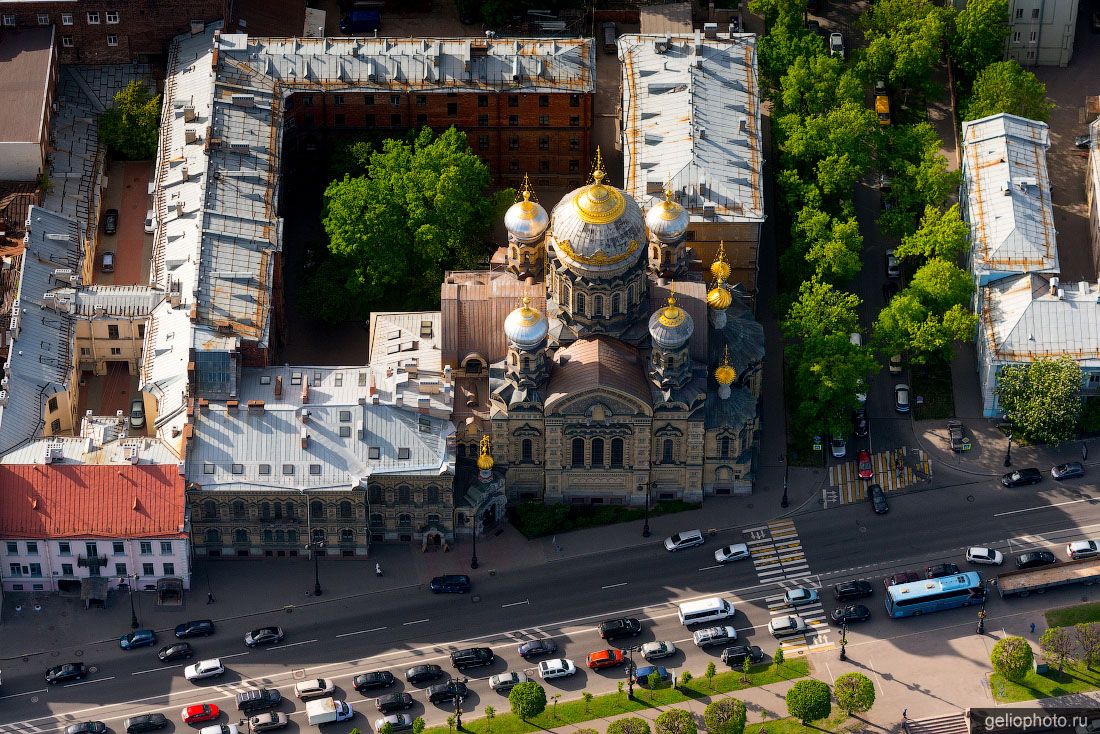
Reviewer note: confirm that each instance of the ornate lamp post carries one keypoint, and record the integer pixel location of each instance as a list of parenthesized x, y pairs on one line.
[(786, 474), (645, 525), (1008, 451), (473, 555), (630, 669), (131, 581), (313, 547), (843, 640)]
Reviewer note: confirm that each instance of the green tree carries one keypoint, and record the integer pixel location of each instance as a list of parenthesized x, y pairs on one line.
[(725, 716), (904, 44), (926, 181), (821, 310), (777, 658), (554, 705), (587, 697), (675, 721), (786, 42), (813, 85), (628, 725), (854, 692), (942, 233), (709, 674), (978, 37), (527, 700), (1012, 658), (490, 714), (685, 678), (131, 127), (774, 10), (848, 131), (906, 325), (387, 728), (653, 681), (809, 700), (1042, 399), (450, 724), (836, 258), (1008, 87), (1088, 641), (1058, 644), (940, 284), (422, 209), (418, 725), (746, 668), (619, 688), (827, 373)]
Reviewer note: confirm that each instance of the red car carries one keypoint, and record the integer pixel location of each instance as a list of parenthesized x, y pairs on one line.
[(901, 577), (605, 659), (865, 470), (200, 712)]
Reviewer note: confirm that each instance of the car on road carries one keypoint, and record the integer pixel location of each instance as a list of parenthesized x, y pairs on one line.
[(734, 552), (893, 265), (609, 658), (735, 655), (505, 682), (253, 701), (1094, 22), (788, 624), (195, 628), (537, 648), (1035, 559), (137, 413), (850, 590), (150, 222), (66, 672), (314, 688), (391, 703), (864, 469), (86, 727), (452, 690), (614, 629), (270, 721), (203, 669), (450, 584), (220, 729), (110, 221), (901, 398), (813, 27), (712, 636), (859, 418), (641, 675), (199, 713), (374, 679), (137, 638), (1069, 470), (839, 447), (176, 651), (984, 556), (264, 636), (684, 539), (418, 674), (836, 44), (107, 262), (798, 597), (878, 500), (1022, 477), (849, 614), (896, 365), (556, 668), (901, 577), (145, 722), (941, 570), (472, 657), (397, 722), (657, 650), (1082, 141), (1079, 549)]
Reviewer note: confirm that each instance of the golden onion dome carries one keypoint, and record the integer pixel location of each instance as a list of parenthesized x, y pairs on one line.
[(526, 220), (725, 374), (485, 460), (720, 269), (668, 221), (671, 326), (719, 297), (526, 327)]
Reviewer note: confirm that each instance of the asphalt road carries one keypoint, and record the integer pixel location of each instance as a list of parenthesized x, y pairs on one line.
[(564, 600)]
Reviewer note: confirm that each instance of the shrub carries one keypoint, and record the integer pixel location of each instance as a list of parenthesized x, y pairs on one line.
[(855, 693), (629, 725), (1012, 657), (676, 721), (809, 700), (527, 700), (725, 716)]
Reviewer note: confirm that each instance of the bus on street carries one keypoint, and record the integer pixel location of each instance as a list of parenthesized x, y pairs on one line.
[(934, 595)]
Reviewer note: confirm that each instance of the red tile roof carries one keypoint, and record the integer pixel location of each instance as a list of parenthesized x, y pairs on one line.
[(91, 501)]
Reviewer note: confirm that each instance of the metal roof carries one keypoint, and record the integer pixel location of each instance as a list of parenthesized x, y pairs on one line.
[(128, 301), (26, 65), (401, 339), (1007, 191), (691, 116)]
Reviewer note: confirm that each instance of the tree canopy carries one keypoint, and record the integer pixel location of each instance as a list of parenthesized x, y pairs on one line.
[(1012, 658), (131, 127), (978, 38), (809, 700), (821, 309), (725, 716), (675, 721), (1008, 87), (854, 692), (1042, 399), (942, 234), (812, 85), (1059, 645), (628, 725), (927, 318), (528, 699)]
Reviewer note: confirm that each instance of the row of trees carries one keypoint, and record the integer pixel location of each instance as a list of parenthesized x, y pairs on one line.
[(1013, 658)]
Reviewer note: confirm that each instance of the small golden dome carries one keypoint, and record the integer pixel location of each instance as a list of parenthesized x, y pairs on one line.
[(720, 269), (668, 221), (599, 203), (526, 220), (725, 374), (719, 297), (672, 315), (485, 461), (526, 326)]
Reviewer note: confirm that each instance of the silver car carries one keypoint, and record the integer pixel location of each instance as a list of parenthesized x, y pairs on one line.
[(658, 650), (505, 682), (267, 722), (398, 722), (714, 636)]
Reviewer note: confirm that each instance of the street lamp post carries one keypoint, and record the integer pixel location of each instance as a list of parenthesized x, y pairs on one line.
[(1008, 451), (843, 641), (313, 548), (630, 673), (645, 525), (786, 474), (131, 581), (473, 554)]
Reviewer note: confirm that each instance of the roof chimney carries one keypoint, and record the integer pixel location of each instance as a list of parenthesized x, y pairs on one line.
[(231, 406), (305, 391), (278, 385), (255, 407), (305, 437)]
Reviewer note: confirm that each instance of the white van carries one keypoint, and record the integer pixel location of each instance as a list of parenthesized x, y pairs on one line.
[(713, 609)]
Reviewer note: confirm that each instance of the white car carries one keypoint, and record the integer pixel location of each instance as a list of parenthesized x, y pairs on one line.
[(839, 446), (204, 669), (657, 650), (150, 222), (735, 552), (219, 729), (314, 688), (556, 668), (714, 636), (787, 625), (1082, 549), (398, 722), (984, 556), (798, 597), (684, 539), (836, 44)]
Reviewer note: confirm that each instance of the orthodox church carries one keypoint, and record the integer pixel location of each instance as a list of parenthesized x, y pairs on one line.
[(605, 368)]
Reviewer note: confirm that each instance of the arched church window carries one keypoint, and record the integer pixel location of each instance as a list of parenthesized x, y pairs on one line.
[(666, 452), (597, 306), (724, 447), (616, 453), (578, 452), (616, 303), (526, 364), (669, 363), (631, 295), (527, 451), (514, 359), (582, 305), (473, 367), (597, 452)]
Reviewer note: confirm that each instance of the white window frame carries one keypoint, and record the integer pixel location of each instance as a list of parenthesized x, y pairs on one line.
[(93, 17), (9, 20), (111, 17), (43, 19), (66, 41), (67, 19), (112, 40), (1015, 36)]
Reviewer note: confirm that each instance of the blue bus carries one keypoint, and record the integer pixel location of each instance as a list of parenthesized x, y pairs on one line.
[(934, 595)]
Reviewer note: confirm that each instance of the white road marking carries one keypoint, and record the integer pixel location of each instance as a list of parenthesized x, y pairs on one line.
[(291, 644), (515, 604), (613, 586), (154, 670), (86, 682), (28, 693), (419, 621), (362, 632), (1045, 507), (708, 568), (234, 655)]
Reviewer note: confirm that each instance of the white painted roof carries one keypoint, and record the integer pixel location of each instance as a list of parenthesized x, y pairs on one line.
[(691, 115), (128, 301), (402, 339)]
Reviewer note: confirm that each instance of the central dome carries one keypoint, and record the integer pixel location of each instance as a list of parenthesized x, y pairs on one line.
[(597, 228)]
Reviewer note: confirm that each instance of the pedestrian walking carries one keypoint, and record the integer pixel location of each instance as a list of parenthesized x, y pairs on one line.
[(378, 570), (905, 713), (210, 597), (1032, 628)]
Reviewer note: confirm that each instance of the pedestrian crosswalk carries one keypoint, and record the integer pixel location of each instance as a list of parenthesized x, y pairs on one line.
[(19, 727), (893, 470)]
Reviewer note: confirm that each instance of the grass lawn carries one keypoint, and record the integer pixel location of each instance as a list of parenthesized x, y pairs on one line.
[(837, 722), (575, 711), (1069, 616), (1075, 679), (933, 383)]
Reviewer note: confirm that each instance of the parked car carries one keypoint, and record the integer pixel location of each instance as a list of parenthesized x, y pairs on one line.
[(107, 261), (1034, 559), (314, 688), (391, 703), (364, 682), (86, 727), (813, 27), (896, 366), (397, 722), (1069, 470), (264, 636), (220, 729), (505, 682), (137, 413), (556, 668), (257, 700), (901, 397), (850, 614), (195, 628), (609, 658), (836, 45), (1082, 549), (1082, 141), (472, 657), (859, 418), (269, 721), (137, 638), (537, 648), (850, 590), (614, 629), (893, 265), (176, 651), (942, 570), (452, 690), (800, 596), (110, 221), (684, 539), (864, 468), (735, 655), (641, 675), (839, 447), (735, 552), (878, 500), (1022, 477), (787, 625), (418, 674), (450, 584), (712, 636), (901, 577), (145, 722), (150, 222), (66, 672), (658, 650), (199, 713), (984, 556), (204, 669)]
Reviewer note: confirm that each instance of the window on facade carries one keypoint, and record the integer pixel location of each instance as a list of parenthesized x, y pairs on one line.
[(269, 537), (317, 510), (66, 569), (374, 494), (544, 120), (63, 548), (347, 536), (288, 469), (15, 569), (112, 40), (52, 404), (9, 21), (368, 99), (338, 99), (483, 121), (597, 452), (213, 536), (118, 547), (43, 19), (112, 16), (404, 495), (1034, 13), (578, 452), (452, 109), (339, 120), (483, 142), (166, 547), (482, 100), (377, 521), (582, 305), (1034, 36), (55, 425), (36, 569), (145, 547), (345, 431), (1019, 13), (265, 510), (513, 143), (265, 469), (404, 520), (544, 143), (67, 19), (724, 447), (32, 548), (527, 450), (404, 453), (169, 569), (112, 331), (209, 510), (238, 468), (421, 120), (513, 100), (315, 469), (208, 468), (120, 569), (147, 569), (544, 166), (513, 120), (574, 143), (575, 121), (574, 165), (616, 453), (395, 120), (346, 510), (1015, 36), (67, 41), (240, 536), (93, 18), (574, 100), (666, 451), (513, 166), (421, 100), (395, 100), (597, 305), (431, 495), (374, 452)]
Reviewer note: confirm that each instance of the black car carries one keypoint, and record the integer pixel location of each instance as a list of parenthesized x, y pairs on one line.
[(860, 421), (86, 727), (264, 636), (374, 679), (850, 590), (472, 657), (195, 628), (735, 655), (446, 692), (394, 702), (178, 651), (849, 614), (145, 722), (1082, 141), (1034, 559), (941, 570), (66, 672), (1022, 477), (878, 500), (537, 648), (110, 221), (614, 629), (423, 673), (451, 584)]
